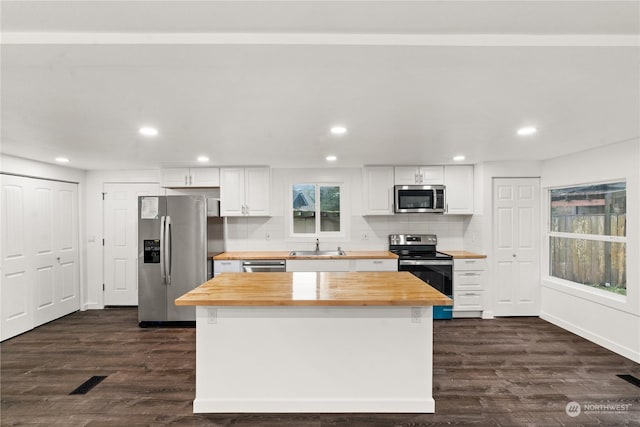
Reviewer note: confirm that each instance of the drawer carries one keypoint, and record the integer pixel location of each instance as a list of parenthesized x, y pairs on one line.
[(376, 265), (468, 280), (468, 300), (231, 266), (469, 264)]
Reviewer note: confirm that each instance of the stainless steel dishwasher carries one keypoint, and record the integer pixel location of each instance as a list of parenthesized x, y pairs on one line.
[(264, 266)]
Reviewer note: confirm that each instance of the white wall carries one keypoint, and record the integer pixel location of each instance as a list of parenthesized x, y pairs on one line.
[(608, 320), (34, 169), (363, 233)]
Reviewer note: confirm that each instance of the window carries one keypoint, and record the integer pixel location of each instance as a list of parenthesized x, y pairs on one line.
[(310, 218), (587, 236)]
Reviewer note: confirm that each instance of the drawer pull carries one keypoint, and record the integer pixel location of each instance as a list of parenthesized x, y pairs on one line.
[(470, 295), (471, 274), (377, 262)]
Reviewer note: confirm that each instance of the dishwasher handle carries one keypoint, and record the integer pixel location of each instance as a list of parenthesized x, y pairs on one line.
[(264, 266)]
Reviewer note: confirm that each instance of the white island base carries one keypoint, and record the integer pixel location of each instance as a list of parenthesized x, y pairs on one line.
[(314, 359)]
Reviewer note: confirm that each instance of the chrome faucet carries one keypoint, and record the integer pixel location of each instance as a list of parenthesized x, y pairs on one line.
[(317, 245)]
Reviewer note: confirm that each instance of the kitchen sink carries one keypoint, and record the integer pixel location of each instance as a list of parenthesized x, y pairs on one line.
[(317, 253)]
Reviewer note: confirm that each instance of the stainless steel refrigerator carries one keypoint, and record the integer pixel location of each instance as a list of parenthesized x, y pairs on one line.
[(172, 255)]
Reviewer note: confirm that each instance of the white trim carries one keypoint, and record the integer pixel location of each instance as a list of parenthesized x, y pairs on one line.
[(598, 237), (595, 338), (213, 405), (321, 39), (579, 290)]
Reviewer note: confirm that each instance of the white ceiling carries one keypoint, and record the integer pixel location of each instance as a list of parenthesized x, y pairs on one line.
[(262, 82)]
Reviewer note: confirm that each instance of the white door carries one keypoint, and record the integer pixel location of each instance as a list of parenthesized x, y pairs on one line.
[(55, 240), (15, 289), (40, 270), (516, 225), (121, 240)]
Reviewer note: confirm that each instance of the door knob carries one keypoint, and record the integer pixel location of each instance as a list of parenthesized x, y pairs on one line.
[(514, 255)]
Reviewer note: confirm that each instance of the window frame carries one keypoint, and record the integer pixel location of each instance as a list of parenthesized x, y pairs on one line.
[(583, 236), (317, 234)]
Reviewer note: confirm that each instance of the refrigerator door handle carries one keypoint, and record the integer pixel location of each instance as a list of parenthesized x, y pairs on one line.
[(163, 268), (167, 241)]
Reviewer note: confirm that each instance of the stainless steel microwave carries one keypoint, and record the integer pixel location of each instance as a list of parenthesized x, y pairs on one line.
[(419, 198)]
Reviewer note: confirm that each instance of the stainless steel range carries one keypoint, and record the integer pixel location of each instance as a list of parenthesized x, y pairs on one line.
[(418, 255)]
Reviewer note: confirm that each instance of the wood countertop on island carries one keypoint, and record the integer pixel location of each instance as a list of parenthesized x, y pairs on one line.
[(314, 289), (248, 255)]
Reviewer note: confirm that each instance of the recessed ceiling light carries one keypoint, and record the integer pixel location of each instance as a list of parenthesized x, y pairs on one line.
[(148, 131), (528, 130), (458, 158), (338, 130), (62, 160), (203, 159), (331, 158)]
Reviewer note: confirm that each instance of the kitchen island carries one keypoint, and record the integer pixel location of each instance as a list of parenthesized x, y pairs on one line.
[(314, 342)]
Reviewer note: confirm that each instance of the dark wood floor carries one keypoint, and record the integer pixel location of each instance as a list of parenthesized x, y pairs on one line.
[(507, 372)]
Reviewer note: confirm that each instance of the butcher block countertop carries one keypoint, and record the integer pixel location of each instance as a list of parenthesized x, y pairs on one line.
[(225, 256), (463, 254), (314, 289)]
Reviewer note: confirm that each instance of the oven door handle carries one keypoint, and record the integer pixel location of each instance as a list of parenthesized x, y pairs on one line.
[(424, 262)]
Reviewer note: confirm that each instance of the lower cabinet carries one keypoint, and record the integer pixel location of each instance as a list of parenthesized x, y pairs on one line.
[(227, 266), (315, 265), (468, 287), (342, 265), (375, 265), (318, 265)]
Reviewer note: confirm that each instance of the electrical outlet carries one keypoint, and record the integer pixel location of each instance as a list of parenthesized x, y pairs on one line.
[(416, 314), (212, 316)]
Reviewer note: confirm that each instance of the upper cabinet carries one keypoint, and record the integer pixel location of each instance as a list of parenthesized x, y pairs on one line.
[(377, 190), (245, 191), (419, 175), (459, 186), (189, 177)]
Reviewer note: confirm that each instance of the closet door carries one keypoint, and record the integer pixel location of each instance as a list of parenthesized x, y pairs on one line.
[(40, 252), (17, 273)]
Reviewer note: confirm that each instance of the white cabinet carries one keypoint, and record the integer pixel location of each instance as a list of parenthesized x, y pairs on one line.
[(313, 265), (459, 189), (189, 177), (377, 190), (419, 175), (333, 264), (468, 287), (226, 266), (245, 191), (376, 265)]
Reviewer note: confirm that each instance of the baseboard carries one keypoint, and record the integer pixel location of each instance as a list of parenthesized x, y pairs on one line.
[(214, 405), (487, 314), (594, 338)]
